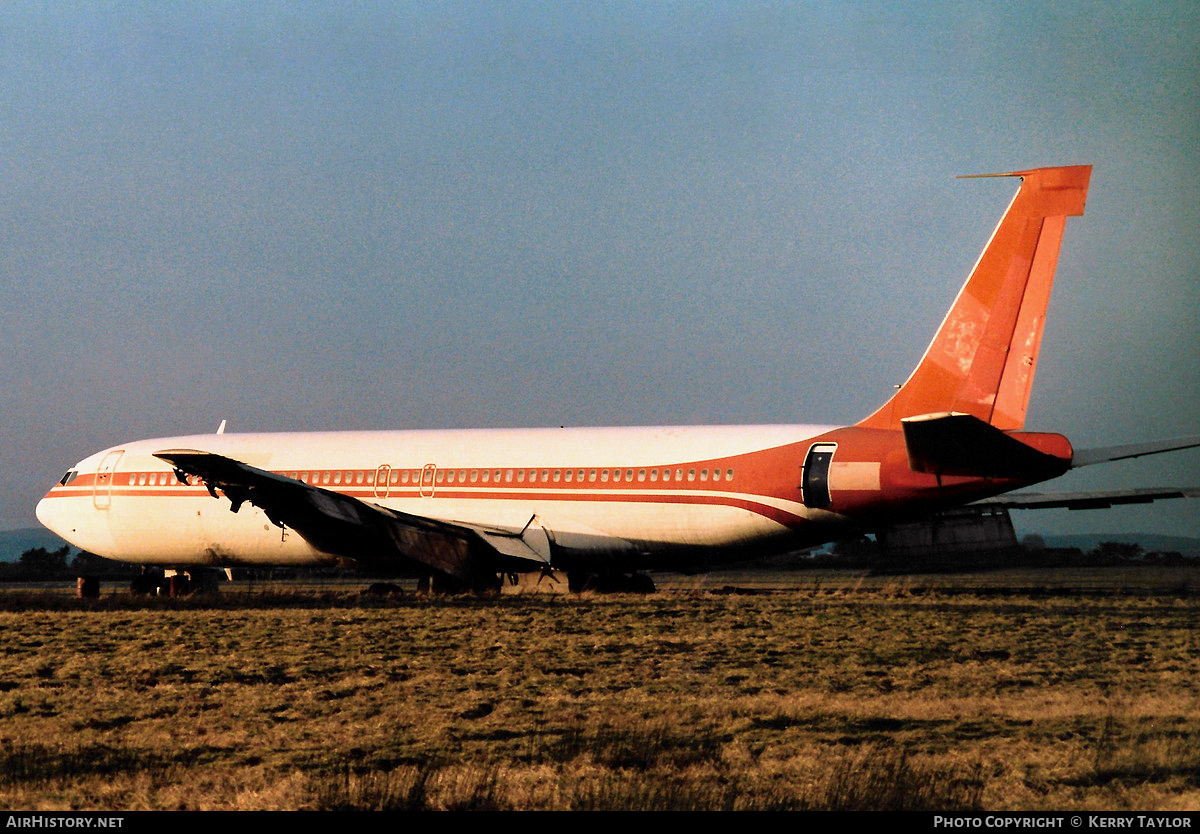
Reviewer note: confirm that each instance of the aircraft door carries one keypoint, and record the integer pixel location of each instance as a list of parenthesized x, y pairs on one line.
[(102, 490), (428, 474), (382, 485), (814, 479)]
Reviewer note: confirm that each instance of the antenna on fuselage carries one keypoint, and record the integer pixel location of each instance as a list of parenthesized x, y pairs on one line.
[(221, 428)]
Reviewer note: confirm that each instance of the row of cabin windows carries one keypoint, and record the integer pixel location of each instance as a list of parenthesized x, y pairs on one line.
[(462, 476), (152, 478)]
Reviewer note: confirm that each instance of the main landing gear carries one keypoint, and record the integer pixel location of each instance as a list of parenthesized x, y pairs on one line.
[(172, 583)]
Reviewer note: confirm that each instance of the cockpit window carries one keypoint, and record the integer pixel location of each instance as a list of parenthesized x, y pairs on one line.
[(71, 475)]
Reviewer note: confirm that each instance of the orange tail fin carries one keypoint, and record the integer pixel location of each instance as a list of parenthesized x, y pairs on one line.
[(982, 360)]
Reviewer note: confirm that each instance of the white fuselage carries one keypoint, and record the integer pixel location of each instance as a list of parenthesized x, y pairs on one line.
[(613, 490)]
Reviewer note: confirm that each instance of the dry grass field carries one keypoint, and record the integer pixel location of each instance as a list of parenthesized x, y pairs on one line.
[(1063, 690)]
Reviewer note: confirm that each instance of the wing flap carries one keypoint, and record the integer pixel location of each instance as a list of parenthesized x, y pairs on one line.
[(514, 546)]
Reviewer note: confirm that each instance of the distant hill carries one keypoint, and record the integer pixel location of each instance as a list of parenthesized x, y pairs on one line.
[(1183, 544), (15, 542)]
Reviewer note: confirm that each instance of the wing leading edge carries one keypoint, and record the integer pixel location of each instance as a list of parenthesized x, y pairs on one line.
[(366, 533)]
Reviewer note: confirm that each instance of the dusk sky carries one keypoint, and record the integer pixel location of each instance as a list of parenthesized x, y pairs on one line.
[(304, 216)]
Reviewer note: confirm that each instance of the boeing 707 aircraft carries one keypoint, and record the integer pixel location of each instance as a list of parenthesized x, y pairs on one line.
[(468, 506)]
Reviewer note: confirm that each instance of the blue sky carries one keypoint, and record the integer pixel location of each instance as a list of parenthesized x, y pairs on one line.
[(303, 216)]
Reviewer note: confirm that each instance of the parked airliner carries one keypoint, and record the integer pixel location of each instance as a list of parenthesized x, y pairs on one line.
[(469, 505)]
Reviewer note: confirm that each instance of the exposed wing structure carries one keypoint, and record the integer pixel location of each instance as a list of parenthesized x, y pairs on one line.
[(1097, 500), (366, 533)]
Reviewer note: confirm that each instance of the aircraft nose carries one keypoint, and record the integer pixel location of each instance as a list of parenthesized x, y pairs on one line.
[(73, 518), (46, 515)]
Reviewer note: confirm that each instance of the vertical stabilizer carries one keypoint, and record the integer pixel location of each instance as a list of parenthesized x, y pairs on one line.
[(982, 360)]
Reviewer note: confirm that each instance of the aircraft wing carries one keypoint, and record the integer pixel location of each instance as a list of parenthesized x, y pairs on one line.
[(1087, 457), (364, 532), (1096, 500)]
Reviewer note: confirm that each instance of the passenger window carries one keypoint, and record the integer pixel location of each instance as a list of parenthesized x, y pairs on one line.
[(487, 475), (441, 476), (474, 475), (604, 475), (580, 475), (729, 474), (545, 475), (570, 475), (704, 474), (557, 475), (462, 476), (508, 476), (691, 474)]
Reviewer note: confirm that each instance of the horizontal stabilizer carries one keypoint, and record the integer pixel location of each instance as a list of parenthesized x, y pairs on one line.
[(1096, 500), (960, 444), (1087, 457)]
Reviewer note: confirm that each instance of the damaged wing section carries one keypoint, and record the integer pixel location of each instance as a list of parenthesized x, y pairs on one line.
[(365, 533)]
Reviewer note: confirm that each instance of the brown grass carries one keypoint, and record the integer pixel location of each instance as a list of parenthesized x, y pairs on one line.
[(905, 694)]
